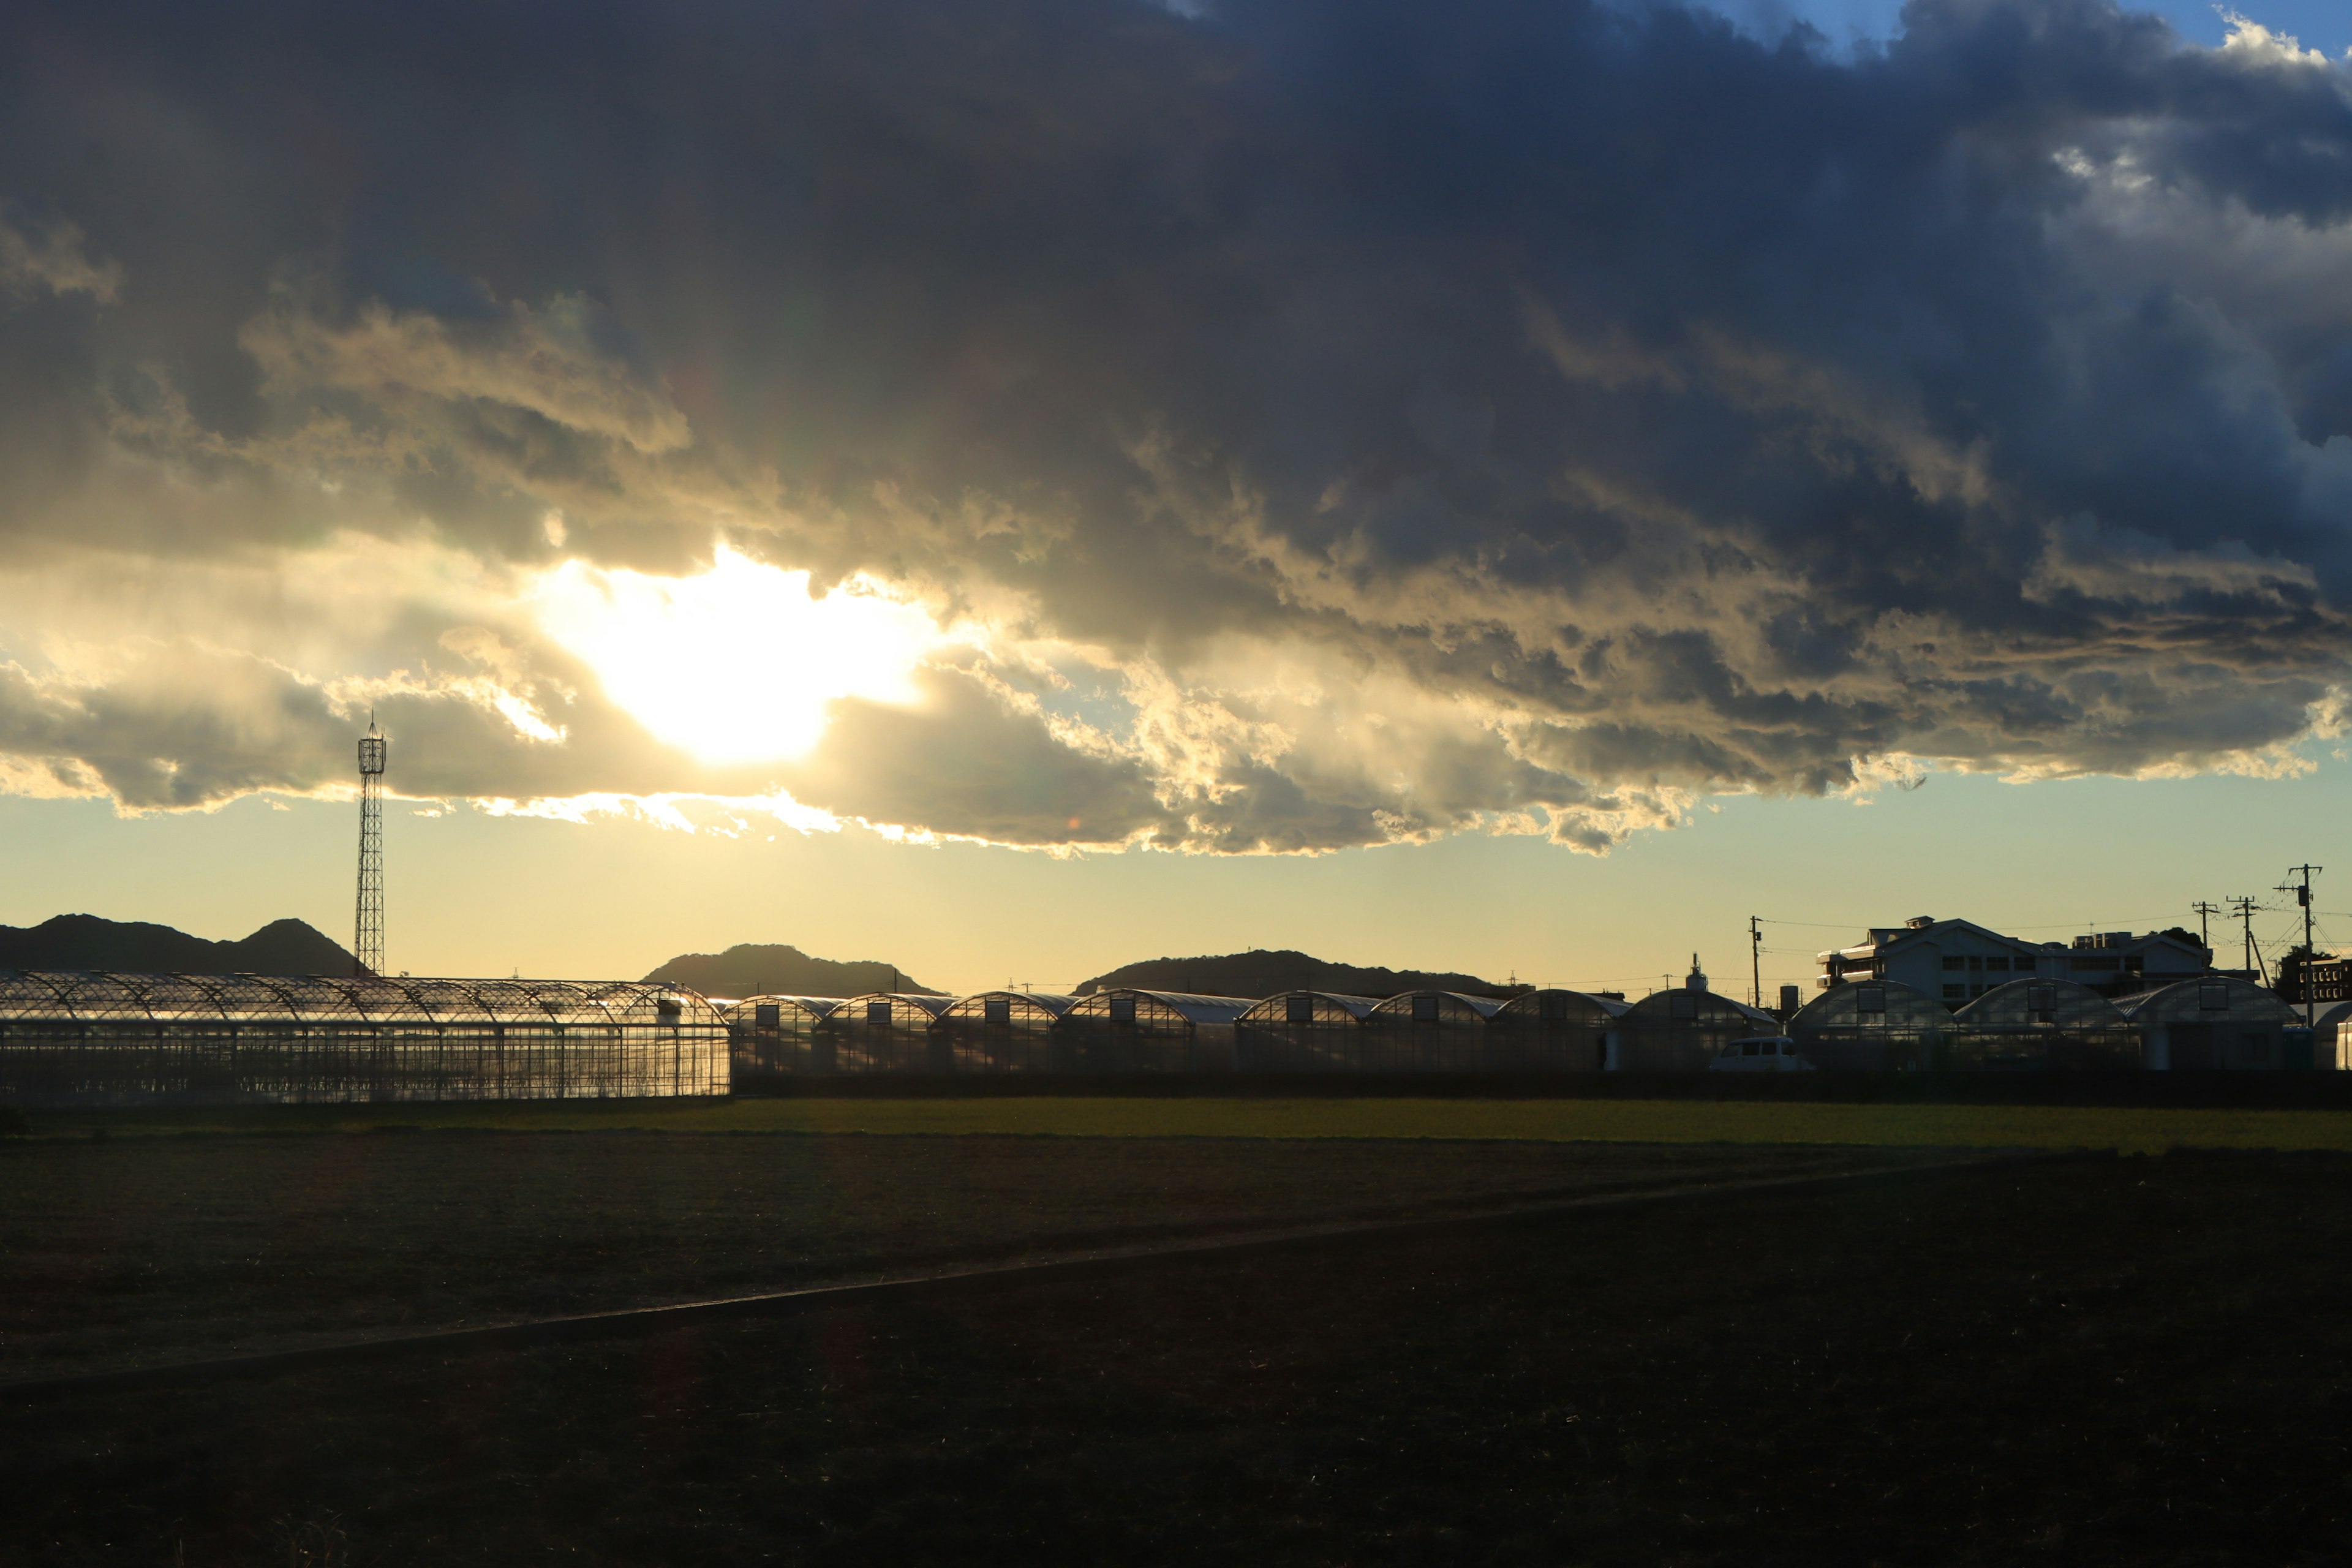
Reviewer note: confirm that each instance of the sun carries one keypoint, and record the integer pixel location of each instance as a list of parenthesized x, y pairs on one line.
[(740, 663)]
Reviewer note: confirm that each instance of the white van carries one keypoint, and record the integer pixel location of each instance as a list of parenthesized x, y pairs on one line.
[(1776, 1053)]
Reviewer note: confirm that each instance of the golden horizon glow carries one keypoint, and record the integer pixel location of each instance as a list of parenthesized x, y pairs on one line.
[(737, 664)]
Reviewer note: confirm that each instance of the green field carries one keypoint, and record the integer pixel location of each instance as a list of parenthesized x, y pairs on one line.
[(2129, 1129)]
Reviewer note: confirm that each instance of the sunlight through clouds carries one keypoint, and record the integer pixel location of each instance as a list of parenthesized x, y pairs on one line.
[(741, 663)]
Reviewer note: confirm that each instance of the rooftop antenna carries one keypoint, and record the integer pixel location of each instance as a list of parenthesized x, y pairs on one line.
[(367, 942)]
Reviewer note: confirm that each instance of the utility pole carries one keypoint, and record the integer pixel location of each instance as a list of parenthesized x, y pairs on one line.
[(2204, 910), (1755, 963), (2243, 908), (2302, 891)]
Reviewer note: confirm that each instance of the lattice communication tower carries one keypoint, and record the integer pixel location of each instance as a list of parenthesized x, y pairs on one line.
[(367, 945)]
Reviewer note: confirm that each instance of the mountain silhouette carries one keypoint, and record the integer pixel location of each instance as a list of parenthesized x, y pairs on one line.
[(86, 942), (754, 968), (1258, 972)]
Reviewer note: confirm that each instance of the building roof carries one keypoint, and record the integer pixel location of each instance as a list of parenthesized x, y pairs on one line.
[(86, 996), (2209, 999), (1274, 1009), (2013, 1006), (1401, 1005), (1715, 1011), (1840, 1007), (811, 1006), (1053, 1004), (1582, 1006), (852, 1010), (1193, 1008)]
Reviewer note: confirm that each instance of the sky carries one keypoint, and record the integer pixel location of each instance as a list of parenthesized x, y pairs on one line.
[(1518, 487)]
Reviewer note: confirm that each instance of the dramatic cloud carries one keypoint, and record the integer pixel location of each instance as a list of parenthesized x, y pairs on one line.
[(1257, 426)]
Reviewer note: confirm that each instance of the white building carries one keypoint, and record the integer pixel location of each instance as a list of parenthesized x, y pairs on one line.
[(1957, 962)]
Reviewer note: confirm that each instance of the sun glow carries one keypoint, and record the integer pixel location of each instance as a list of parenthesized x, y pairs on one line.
[(740, 664)]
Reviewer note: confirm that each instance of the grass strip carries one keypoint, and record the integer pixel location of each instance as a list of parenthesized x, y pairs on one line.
[(2124, 1129)]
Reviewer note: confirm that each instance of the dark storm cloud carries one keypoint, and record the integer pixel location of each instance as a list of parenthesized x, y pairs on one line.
[(1526, 414)]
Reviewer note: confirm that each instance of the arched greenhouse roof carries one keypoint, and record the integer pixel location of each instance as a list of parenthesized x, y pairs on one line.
[(1321, 1006), (1019, 1004), (1665, 1010), (84, 997), (2209, 999), (1898, 1006), (1187, 1005), (907, 1010), (807, 1008), (1450, 1006), (2024, 1004), (1553, 1005)]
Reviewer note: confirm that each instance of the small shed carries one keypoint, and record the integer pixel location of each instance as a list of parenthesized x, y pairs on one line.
[(2041, 1024), (1000, 1031), (1301, 1031), (1684, 1029), (1553, 1030), (1870, 1026), (1426, 1031), (2213, 1022), (881, 1032), (1124, 1030), (775, 1034)]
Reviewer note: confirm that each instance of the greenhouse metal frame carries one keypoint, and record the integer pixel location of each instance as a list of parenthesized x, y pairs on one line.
[(1005, 1031), (2216, 1023), (1871, 1025), (1682, 1030), (776, 1034), (1124, 1030), (1300, 1031), (1553, 1029), (2041, 1023), (881, 1032), (1426, 1031), (104, 1038)]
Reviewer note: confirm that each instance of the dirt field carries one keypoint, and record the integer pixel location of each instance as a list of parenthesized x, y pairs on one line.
[(135, 1250), (2090, 1359)]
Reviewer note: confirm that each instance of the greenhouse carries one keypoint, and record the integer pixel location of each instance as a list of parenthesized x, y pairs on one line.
[(2331, 1043), (1682, 1030), (776, 1034), (1125, 1030), (1552, 1031), (1301, 1031), (2216, 1023), (1003, 1031), (881, 1032), (1870, 1026), (2041, 1024), (1426, 1031), (118, 1039)]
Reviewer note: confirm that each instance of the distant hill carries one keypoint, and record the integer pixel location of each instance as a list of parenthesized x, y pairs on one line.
[(753, 969), (86, 942), (1261, 973)]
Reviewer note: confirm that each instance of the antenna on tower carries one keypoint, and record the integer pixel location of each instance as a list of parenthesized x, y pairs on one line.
[(367, 944)]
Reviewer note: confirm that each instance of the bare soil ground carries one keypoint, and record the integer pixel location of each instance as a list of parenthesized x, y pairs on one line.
[(136, 1250), (2085, 1359)]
